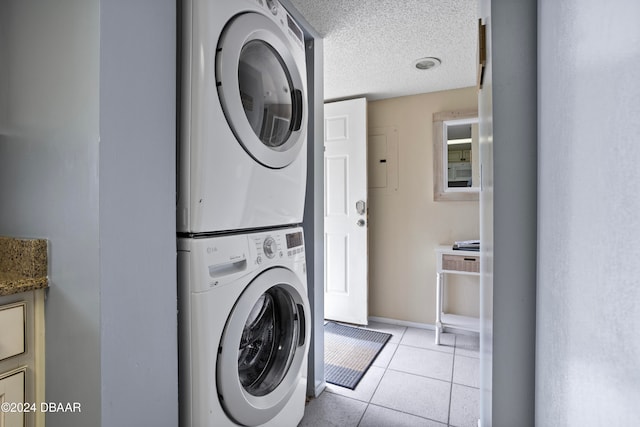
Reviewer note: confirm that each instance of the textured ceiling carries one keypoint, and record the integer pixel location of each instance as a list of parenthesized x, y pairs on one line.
[(370, 45)]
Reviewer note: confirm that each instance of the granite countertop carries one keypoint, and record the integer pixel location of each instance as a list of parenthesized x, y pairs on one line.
[(23, 265)]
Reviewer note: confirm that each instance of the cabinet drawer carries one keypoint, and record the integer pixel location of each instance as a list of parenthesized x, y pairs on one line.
[(470, 264), (12, 319)]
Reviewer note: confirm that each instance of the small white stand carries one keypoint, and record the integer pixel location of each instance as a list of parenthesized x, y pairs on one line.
[(454, 262)]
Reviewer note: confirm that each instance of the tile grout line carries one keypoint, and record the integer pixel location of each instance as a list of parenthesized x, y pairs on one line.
[(427, 348), (453, 366), (383, 374), (386, 368), (405, 412), (363, 414), (419, 375)]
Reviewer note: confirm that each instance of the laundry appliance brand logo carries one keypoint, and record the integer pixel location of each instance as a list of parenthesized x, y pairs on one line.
[(212, 249)]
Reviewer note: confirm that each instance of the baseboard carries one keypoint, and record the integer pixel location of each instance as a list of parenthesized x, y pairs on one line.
[(319, 388), (419, 325), (402, 323)]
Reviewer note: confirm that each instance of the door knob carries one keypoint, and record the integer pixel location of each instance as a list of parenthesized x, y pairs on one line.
[(360, 222)]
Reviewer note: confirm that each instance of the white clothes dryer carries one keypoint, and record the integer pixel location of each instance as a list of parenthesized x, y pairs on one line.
[(245, 325), (243, 127)]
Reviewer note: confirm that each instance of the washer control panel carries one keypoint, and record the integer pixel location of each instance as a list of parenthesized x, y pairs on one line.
[(272, 5), (277, 244), (218, 261)]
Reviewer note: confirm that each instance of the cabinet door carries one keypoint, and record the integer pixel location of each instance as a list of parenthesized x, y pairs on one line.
[(12, 392), (455, 156)]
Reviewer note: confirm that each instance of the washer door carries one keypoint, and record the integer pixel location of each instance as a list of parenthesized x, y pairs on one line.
[(263, 347), (261, 89)]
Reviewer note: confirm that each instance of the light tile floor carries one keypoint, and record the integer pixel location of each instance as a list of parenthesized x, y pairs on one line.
[(412, 382)]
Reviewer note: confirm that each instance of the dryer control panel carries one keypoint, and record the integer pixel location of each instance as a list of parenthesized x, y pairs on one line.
[(281, 15)]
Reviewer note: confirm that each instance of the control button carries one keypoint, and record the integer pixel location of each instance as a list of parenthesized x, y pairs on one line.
[(259, 260)]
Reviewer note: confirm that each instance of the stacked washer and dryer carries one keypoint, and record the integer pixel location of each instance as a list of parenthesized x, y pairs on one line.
[(244, 316)]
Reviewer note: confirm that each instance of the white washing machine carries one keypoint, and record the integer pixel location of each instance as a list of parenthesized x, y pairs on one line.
[(243, 127), (244, 329)]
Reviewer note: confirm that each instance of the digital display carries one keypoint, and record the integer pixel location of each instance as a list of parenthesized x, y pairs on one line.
[(294, 28), (294, 240)]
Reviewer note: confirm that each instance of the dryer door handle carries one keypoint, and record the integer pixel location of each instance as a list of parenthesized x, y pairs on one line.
[(296, 110), (301, 325)]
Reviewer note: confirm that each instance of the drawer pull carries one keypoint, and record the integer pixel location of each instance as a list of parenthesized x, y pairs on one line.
[(470, 259)]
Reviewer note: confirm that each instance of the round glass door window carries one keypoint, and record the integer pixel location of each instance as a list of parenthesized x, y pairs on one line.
[(266, 93), (268, 343), (263, 347), (260, 80)]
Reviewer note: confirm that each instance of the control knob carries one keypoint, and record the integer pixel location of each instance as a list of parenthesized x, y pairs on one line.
[(273, 6), (269, 247)]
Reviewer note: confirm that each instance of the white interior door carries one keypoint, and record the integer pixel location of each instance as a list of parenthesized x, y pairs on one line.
[(345, 211)]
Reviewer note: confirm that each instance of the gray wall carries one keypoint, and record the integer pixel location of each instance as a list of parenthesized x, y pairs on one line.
[(49, 174), (508, 148), (588, 321), (87, 143), (137, 213), (485, 128), (313, 222)]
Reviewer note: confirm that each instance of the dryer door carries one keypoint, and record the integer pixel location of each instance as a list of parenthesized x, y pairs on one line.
[(263, 347), (261, 89)]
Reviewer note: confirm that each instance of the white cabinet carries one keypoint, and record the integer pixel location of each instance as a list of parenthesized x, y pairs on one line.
[(22, 358), (459, 156), (12, 394), (455, 156), (451, 261), (12, 319)]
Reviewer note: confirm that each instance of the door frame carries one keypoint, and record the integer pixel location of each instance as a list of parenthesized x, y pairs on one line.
[(504, 71)]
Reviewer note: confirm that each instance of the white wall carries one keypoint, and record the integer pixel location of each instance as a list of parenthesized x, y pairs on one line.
[(588, 321), (87, 160)]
